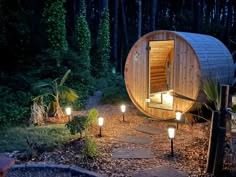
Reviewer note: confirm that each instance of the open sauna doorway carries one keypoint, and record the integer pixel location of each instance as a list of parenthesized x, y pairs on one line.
[(161, 74)]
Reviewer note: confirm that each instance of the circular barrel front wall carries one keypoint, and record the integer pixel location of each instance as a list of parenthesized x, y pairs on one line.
[(196, 56)]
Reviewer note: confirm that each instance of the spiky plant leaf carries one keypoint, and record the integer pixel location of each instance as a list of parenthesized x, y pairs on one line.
[(211, 88), (68, 94), (65, 77)]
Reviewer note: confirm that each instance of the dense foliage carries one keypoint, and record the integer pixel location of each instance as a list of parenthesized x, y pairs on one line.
[(101, 59), (82, 44), (54, 18), (41, 40)]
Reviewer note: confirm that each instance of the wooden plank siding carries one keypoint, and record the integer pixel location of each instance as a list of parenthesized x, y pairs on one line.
[(194, 56)]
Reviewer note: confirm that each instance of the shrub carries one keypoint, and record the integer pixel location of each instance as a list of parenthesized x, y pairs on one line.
[(14, 106), (115, 90), (77, 125), (90, 149), (92, 116)]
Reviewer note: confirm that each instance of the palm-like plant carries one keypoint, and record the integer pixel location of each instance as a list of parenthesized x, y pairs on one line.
[(211, 88), (56, 90)]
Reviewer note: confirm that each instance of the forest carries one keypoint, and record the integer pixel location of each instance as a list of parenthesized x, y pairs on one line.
[(43, 40)]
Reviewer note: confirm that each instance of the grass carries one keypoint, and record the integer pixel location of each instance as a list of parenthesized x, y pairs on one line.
[(50, 136)]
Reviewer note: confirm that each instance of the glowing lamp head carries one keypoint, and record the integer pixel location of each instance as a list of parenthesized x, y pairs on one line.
[(68, 111), (171, 132), (100, 121), (123, 108), (178, 115)]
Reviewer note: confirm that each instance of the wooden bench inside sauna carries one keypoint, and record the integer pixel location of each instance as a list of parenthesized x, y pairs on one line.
[(162, 63)]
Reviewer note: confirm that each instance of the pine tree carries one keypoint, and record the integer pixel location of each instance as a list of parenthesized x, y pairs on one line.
[(55, 20), (101, 60), (83, 45)]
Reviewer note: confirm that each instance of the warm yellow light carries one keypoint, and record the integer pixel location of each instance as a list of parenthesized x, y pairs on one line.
[(167, 98), (100, 121), (68, 111), (123, 108), (171, 132), (178, 115)]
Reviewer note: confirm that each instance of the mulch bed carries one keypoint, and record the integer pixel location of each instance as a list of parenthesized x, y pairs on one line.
[(190, 146)]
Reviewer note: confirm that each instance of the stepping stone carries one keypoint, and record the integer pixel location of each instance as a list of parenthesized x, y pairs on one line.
[(135, 139), (162, 171), (149, 129), (134, 153)]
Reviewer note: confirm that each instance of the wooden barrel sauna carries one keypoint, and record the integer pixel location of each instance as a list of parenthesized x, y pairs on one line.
[(165, 62)]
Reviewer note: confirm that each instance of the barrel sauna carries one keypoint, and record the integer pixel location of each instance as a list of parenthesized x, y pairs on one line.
[(162, 63)]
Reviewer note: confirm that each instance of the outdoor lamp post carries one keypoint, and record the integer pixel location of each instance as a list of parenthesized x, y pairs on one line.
[(68, 112), (123, 108), (171, 135), (178, 117), (100, 124)]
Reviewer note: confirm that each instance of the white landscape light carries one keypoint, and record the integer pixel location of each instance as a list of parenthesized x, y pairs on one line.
[(100, 124), (178, 115), (100, 121), (68, 112), (123, 109), (171, 135), (171, 132)]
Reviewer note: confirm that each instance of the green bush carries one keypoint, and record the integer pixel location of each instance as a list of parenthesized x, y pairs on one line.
[(90, 149), (92, 116), (14, 106), (114, 90), (77, 125)]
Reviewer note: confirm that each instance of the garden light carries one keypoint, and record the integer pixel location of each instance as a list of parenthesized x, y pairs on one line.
[(171, 135), (100, 124), (178, 117), (68, 112), (123, 108)]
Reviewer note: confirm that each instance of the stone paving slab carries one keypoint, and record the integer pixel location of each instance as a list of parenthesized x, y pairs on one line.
[(162, 171), (135, 139), (149, 129), (133, 153)]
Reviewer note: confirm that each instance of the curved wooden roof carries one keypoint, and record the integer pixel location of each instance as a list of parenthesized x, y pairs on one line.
[(211, 53), (195, 56)]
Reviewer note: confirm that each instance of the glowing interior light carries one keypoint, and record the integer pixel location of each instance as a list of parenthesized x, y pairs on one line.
[(167, 98)]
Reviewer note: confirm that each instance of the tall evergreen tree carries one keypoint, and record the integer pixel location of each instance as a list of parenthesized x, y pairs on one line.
[(83, 45), (55, 19), (101, 62)]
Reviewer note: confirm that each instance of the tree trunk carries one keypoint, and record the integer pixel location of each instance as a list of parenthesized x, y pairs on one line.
[(154, 12), (223, 15), (234, 22), (59, 113), (217, 11), (104, 4), (115, 34), (198, 15), (229, 19), (139, 18), (124, 23)]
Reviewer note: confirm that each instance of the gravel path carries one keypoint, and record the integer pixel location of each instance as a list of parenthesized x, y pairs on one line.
[(190, 146)]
